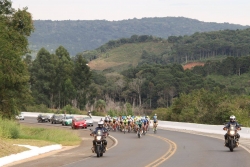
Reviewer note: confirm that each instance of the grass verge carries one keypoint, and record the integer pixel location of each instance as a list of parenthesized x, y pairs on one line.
[(54, 135), (11, 132)]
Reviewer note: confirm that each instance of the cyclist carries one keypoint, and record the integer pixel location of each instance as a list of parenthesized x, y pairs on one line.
[(147, 123), (155, 122)]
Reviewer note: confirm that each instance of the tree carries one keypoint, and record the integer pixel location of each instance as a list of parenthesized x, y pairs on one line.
[(100, 105), (81, 79), (15, 27), (64, 71), (43, 78), (136, 85)]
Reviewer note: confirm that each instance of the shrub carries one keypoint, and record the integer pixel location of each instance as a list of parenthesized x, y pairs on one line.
[(70, 110), (9, 129), (96, 113), (38, 108)]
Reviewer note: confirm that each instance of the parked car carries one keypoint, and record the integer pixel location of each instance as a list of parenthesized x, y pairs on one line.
[(79, 123), (43, 118), (67, 120), (56, 119), (20, 117), (89, 121)]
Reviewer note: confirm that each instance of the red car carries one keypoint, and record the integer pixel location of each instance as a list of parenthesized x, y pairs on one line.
[(79, 123)]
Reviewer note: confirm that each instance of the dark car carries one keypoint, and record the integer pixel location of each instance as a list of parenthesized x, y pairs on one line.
[(56, 119), (42, 118)]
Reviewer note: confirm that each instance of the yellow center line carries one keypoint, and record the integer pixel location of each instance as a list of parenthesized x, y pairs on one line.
[(172, 149)]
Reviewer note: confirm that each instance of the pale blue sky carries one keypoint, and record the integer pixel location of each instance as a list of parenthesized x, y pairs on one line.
[(220, 11)]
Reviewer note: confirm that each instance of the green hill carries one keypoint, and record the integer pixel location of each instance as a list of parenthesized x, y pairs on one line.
[(81, 35), (126, 55), (125, 52)]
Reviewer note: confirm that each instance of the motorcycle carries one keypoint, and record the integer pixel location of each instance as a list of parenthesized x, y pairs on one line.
[(99, 138), (232, 140)]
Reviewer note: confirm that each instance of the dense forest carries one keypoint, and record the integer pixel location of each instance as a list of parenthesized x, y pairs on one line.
[(81, 35), (157, 84), (175, 49)]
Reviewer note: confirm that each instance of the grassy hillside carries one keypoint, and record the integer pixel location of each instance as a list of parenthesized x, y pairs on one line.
[(126, 55)]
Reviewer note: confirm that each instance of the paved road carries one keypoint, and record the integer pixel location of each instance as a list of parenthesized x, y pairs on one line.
[(166, 148)]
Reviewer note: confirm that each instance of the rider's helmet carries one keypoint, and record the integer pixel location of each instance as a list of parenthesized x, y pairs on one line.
[(232, 118), (100, 124)]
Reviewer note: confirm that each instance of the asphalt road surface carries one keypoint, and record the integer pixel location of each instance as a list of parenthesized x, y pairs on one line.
[(166, 148)]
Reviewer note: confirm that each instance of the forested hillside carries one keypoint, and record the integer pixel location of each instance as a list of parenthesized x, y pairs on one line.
[(117, 55), (155, 82), (81, 35)]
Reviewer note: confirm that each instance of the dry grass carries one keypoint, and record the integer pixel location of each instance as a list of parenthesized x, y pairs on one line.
[(38, 143), (7, 148)]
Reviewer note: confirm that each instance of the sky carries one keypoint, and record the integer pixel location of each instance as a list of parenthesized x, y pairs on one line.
[(220, 11)]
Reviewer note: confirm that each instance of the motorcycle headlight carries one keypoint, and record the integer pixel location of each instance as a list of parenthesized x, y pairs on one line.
[(98, 137), (232, 132)]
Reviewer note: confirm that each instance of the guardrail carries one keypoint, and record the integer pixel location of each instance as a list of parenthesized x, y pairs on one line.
[(215, 129)]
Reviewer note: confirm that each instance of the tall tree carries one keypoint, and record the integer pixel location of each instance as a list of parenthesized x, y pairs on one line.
[(81, 79), (64, 71), (43, 78), (15, 27)]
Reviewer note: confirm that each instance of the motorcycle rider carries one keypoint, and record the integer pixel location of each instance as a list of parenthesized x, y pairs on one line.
[(104, 130), (232, 122), (89, 114)]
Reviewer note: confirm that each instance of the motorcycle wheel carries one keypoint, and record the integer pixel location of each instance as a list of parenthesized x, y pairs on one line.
[(98, 154), (101, 154), (138, 135), (231, 147)]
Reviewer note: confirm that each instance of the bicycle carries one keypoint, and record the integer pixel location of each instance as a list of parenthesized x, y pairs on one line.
[(155, 128)]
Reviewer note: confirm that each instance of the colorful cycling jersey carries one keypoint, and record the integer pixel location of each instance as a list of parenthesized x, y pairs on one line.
[(155, 119), (138, 122)]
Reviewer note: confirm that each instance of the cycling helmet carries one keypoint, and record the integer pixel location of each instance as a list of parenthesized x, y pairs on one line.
[(100, 124), (232, 118), (155, 114)]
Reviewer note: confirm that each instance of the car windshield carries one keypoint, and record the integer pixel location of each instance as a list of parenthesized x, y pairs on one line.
[(68, 117), (78, 118), (58, 116), (42, 115)]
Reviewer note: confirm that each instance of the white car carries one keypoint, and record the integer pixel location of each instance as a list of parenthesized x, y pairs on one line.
[(89, 121), (20, 117)]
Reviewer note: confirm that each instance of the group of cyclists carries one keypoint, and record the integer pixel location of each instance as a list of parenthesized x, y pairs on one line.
[(129, 123)]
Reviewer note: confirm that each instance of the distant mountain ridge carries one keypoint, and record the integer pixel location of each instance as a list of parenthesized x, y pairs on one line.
[(81, 35)]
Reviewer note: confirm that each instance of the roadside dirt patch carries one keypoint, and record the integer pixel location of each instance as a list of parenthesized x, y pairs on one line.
[(192, 64)]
